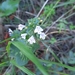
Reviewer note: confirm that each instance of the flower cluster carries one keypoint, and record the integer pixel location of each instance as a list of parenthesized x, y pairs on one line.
[(39, 31), (31, 40)]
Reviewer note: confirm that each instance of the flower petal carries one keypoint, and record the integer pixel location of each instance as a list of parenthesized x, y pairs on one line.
[(20, 26), (31, 40), (42, 35), (38, 29), (23, 35), (10, 31), (12, 39)]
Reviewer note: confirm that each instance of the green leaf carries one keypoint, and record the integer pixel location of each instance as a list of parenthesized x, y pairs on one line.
[(53, 40), (61, 26), (21, 60), (15, 53), (72, 27), (35, 47), (24, 69), (4, 64), (26, 50), (8, 7)]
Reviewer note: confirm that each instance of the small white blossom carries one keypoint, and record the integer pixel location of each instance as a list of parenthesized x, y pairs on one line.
[(23, 35), (12, 39), (31, 40), (20, 26), (38, 29), (10, 31), (41, 20), (42, 35)]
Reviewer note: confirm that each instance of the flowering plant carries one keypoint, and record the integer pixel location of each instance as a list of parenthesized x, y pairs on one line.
[(30, 32), (25, 41)]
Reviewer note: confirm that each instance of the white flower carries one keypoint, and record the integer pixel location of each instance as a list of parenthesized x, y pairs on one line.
[(31, 40), (10, 31), (38, 29), (41, 20), (23, 35), (42, 35), (12, 39), (20, 26)]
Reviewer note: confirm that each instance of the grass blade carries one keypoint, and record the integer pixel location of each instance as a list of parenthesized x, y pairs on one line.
[(24, 69), (59, 64)]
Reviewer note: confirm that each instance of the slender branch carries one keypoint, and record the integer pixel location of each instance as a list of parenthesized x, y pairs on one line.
[(42, 8), (30, 13)]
